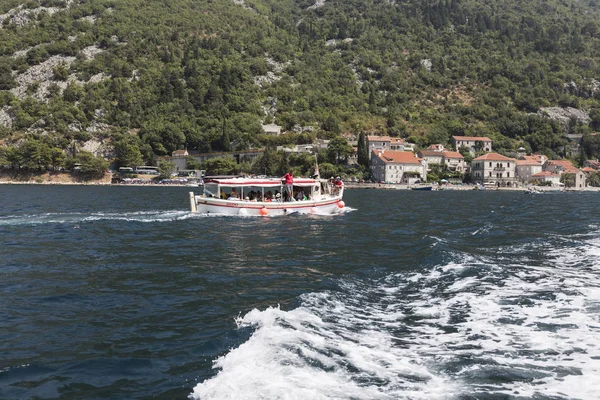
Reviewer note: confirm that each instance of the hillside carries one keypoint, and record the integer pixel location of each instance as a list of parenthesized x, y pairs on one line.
[(115, 76)]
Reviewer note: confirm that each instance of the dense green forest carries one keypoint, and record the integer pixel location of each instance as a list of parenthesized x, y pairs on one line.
[(152, 76)]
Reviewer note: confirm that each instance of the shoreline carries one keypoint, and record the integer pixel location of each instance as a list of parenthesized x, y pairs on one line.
[(348, 186)]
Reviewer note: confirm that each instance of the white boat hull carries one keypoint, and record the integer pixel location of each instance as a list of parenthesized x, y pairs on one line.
[(208, 205)]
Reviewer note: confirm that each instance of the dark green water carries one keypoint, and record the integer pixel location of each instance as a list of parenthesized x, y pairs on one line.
[(119, 293)]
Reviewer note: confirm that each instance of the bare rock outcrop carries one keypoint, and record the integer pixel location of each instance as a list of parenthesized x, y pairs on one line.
[(5, 118), (565, 115)]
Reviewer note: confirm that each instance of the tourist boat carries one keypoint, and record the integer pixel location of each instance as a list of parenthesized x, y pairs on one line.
[(422, 188), (266, 196)]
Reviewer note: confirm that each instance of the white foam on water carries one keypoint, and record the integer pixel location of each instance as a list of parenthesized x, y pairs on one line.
[(325, 349), (475, 326), (530, 331), (68, 218)]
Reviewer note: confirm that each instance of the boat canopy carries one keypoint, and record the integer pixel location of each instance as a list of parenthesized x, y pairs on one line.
[(265, 182)]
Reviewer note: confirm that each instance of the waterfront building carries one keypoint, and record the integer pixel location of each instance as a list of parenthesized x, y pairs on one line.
[(473, 143), (179, 158), (560, 167), (383, 143), (494, 169), (535, 157), (391, 166), (546, 176), (431, 157), (454, 161), (594, 164), (526, 169)]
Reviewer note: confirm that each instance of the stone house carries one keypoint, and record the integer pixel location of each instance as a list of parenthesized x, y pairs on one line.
[(526, 169), (390, 166), (454, 161), (494, 168), (431, 157), (473, 143), (179, 158)]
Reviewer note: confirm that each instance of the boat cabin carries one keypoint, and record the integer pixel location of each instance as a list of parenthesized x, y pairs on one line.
[(266, 189)]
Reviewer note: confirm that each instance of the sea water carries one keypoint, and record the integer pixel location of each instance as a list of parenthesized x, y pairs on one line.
[(120, 292)]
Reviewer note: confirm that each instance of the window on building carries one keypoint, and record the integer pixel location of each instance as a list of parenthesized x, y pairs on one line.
[(490, 164), (508, 174)]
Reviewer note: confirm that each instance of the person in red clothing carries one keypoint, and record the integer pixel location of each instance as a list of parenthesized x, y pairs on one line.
[(289, 185)]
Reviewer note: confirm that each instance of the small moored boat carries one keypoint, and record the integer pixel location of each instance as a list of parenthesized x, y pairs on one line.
[(267, 196), (422, 188)]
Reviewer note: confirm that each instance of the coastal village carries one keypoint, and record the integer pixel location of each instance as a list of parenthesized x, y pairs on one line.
[(395, 161)]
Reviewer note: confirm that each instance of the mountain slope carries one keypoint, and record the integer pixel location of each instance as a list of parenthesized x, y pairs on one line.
[(180, 73)]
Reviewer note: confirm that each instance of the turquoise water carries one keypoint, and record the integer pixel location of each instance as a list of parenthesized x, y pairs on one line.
[(119, 292)]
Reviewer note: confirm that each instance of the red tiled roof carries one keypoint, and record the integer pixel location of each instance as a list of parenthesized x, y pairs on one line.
[(472, 138), (567, 166), (375, 138), (453, 154), (533, 157), (435, 146), (588, 169), (528, 162), (430, 153), (544, 173), (493, 157), (397, 140), (402, 157)]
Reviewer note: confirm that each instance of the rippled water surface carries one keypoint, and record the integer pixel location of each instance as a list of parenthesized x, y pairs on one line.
[(119, 292)]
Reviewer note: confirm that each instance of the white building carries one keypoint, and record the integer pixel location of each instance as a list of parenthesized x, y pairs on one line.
[(473, 143), (547, 176), (272, 129), (390, 166)]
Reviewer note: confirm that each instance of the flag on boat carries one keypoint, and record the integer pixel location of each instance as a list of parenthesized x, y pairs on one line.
[(316, 175)]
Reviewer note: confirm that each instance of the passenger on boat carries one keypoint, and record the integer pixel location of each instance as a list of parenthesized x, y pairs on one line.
[(233, 195), (289, 185), (300, 195), (269, 196), (223, 195), (259, 196)]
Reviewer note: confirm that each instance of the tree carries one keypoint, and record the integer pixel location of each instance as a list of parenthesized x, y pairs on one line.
[(91, 165), (266, 163), (220, 166), (594, 179), (466, 153), (338, 148), (192, 163), (35, 155), (128, 153), (165, 169), (363, 154), (57, 158), (568, 180)]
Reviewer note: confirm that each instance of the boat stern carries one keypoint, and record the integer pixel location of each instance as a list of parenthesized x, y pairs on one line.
[(193, 206)]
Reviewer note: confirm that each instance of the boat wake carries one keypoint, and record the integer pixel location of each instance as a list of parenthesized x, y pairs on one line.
[(474, 327), (69, 218)]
